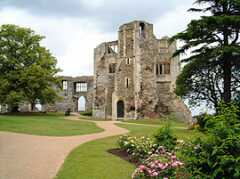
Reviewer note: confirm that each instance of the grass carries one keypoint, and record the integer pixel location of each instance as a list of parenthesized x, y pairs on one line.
[(46, 125), (157, 122), (92, 161)]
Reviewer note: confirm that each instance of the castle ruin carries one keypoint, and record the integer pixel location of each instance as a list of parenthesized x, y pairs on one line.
[(134, 78)]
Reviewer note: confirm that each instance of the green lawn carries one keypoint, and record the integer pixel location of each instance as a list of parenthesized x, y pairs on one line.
[(46, 125), (92, 161), (157, 122)]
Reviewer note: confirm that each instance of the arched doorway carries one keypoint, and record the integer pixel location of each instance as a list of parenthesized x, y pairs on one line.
[(38, 107), (120, 109), (81, 104)]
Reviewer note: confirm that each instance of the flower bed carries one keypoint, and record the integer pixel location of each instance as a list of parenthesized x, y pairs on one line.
[(155, 161), (161, 164)]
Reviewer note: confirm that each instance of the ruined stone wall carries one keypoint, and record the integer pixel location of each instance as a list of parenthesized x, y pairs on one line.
[(144, 78), (69, 97), (104, 56)]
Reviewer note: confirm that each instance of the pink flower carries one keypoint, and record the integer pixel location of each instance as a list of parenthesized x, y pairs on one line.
[(161, 166), (173, 157), (152, 165), (174, 164), (154, 174), (141, 168), (165, 166)]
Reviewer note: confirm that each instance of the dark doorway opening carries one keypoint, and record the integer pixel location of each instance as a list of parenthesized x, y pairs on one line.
[(120, 109)]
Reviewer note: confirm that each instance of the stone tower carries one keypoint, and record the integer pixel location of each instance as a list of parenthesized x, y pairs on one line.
[(134, 77)]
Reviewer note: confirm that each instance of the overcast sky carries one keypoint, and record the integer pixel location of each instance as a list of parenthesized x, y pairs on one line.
[(74, 27)]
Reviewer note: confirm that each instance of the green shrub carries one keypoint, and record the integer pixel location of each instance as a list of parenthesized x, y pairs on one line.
[(218, 154), (68, 112), (164, 137), (201, 121), (87, 113)]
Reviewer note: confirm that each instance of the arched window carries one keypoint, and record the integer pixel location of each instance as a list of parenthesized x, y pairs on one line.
[(81, 104), (142, 30)]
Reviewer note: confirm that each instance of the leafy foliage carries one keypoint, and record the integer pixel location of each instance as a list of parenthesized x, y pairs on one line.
[(212, 70), (164, 137), (27, 69), (201, 121), (217, 155)]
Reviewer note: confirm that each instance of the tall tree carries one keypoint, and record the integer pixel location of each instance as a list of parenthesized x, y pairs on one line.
[(27, 69), (214, 44)]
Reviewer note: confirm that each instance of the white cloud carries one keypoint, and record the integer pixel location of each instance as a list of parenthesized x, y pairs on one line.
[(71, 40), (174, 21)]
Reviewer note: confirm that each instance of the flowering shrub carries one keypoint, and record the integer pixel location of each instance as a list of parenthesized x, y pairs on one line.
[(138, 147), (161, 164), (217, 155)]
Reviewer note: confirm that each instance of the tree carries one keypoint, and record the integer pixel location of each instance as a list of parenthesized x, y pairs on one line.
[(27, 69), (214, 43), (201, 81)]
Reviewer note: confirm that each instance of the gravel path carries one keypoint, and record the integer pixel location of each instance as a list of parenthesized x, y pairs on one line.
[(40, 157)]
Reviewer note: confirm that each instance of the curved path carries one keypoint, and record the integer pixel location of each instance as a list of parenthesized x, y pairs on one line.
[(40, 157)]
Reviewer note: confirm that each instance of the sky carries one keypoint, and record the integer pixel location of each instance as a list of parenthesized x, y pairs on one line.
[(73, 28)]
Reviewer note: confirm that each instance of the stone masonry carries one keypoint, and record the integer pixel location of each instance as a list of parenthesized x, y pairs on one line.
[(73, 90), (134, 77)]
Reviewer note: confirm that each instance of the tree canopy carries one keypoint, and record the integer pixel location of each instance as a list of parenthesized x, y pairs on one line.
[(27, 69), (211, 73)]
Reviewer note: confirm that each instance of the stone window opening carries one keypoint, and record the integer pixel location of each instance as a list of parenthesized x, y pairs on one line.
[(109, 50), (112, 68), (127, 82), (167, 68), (81, 87), (162, 69), (141, 86), (128, 61), (112, 49), (142, 30), (64, 85)]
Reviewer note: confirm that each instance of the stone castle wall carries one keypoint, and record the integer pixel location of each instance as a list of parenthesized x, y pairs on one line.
[(143, 79)]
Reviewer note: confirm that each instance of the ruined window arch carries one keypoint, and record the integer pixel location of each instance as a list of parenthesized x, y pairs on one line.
[(64, 85), (142, 30), (81, 104), (38, 106), (112, 68)]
